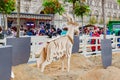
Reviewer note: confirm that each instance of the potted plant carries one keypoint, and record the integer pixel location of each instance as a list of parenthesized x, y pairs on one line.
[(5, 62), (106, 48), (21, 45), (52, 7), (6, 7), (81, 9)]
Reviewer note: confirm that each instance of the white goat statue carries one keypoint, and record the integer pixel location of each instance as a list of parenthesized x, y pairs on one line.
[(58, 48)]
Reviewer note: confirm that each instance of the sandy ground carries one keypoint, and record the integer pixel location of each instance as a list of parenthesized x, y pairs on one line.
[(82, 68)]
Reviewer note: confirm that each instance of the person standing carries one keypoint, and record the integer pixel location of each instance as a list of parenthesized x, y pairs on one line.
[(93, 41)]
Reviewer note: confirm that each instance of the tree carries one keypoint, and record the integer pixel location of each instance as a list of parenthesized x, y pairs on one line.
[(101, 21), (73, 3), (103, 13), (6, 7), (52, 7), (118, 1), (80, 10), (93, 20), (18, 18)]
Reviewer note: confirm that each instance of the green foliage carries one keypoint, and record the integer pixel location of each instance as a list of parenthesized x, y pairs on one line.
[(71, 1), (101, 21), (118, 1), (93, 20), (74, 1), (81, 9), (7, 6), (52, 7)]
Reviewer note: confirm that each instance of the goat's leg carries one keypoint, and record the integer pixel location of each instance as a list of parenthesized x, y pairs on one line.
[(39, 61), (69, 51), (45, 64), (68, 59), (68, 63), (63, 62)]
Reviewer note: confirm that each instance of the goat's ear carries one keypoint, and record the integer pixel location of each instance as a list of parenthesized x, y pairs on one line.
[(76, 24), (66, 16)]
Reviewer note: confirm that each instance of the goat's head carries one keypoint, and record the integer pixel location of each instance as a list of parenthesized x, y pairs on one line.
[(71, 23)]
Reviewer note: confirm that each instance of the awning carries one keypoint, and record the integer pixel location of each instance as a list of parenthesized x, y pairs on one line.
[(32, 16)]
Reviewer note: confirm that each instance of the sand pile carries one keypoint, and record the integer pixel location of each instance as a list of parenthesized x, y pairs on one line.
[(30, 72), (81, 69), (26, 72), (111, 73), (77, 62), (115, 60)]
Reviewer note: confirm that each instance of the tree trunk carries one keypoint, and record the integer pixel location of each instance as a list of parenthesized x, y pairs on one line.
[(53, 20), (82, 24), (6, 22), (73, 10), (18, 18), (103, 12), (3, 31)]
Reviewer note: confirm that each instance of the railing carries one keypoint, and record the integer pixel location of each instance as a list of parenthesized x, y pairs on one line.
[(2, 41), (85, 43), (36, 42), (86, 46)]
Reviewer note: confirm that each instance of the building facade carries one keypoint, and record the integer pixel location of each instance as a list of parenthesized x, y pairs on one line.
[(112, 11)]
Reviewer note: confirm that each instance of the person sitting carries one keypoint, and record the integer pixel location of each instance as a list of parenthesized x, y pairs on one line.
[(1, 34), (42, 31), (64, 31), (59, 31)]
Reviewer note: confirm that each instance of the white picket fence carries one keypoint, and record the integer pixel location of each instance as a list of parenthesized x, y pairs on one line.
[(85, 45)]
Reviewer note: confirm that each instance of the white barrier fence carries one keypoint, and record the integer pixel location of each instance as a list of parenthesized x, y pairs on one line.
[(85, 43), (86, 46)]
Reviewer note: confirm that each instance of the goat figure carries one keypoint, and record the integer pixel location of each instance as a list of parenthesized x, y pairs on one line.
[(58, 48)]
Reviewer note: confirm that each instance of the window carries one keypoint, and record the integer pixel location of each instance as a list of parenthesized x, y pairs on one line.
[(89, 2), (93, 3), (96, 13), (119, 16), (114, 15), (109, 4), (97, 3), (109, 14), (115, 6)]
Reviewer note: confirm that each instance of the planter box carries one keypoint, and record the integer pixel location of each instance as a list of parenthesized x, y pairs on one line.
[(21, 49), (106, 52), (5, 62), (75, 48)]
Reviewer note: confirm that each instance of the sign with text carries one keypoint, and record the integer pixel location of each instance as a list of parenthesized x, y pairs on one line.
[(116, 27)]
